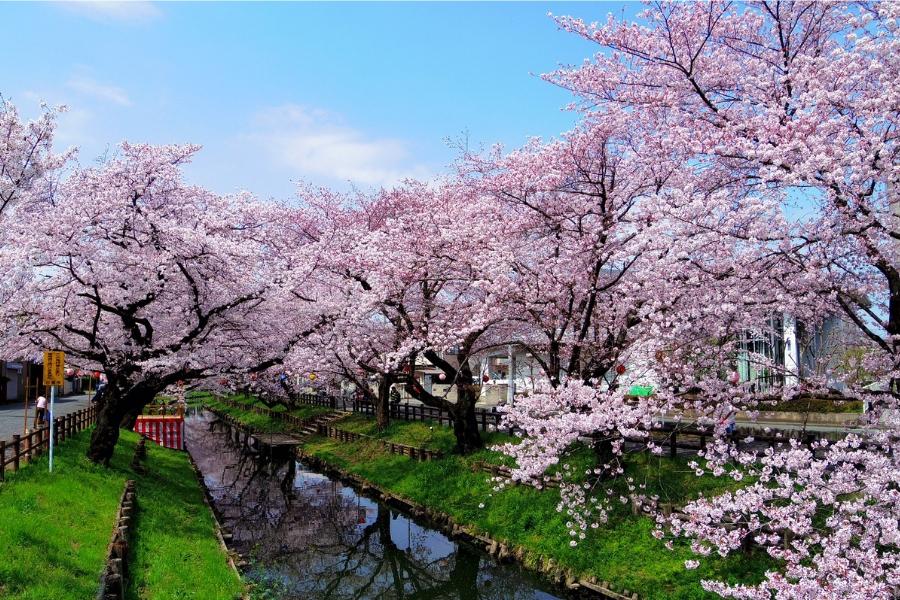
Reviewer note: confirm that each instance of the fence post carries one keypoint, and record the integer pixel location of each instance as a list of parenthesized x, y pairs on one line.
[(483, 421), (2, 460), (673, 447), (27, 446), (16, 448)]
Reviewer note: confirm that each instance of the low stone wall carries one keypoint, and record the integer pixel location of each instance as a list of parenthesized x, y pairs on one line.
[(114, 579)]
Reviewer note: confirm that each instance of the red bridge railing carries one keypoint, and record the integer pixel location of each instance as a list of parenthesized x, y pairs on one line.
[(167, 431)]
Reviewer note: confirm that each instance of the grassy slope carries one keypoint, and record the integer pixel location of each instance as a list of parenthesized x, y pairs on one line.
[(175, 552), (259, 422), (622, 551), (54, 529)]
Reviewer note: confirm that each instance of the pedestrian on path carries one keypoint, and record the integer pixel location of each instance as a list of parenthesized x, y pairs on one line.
[(730, 422), (40, 414)]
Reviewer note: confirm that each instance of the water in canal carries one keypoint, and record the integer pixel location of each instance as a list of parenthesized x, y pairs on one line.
[(309, 537)]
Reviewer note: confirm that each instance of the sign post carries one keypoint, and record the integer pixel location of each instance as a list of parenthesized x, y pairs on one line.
[(54, 373)]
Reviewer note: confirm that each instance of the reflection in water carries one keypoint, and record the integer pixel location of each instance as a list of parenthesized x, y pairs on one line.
[(310, 537)]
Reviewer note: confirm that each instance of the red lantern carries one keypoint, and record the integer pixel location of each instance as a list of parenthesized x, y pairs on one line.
[(96, 374), (485, 378), (620, 369), (70, 372)]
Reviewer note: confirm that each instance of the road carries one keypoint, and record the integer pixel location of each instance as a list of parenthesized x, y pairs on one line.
[(11, 415)]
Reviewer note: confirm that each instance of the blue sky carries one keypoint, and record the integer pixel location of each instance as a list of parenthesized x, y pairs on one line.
[(280, 92)]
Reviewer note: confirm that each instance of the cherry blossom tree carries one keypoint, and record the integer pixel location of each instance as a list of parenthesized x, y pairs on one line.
[(399, 281), (28, 173), (142, 276), (28, 164), (795, 99), (620, 257)]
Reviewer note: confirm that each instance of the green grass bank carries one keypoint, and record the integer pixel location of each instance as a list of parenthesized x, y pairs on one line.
[(621, 551), (54, 528)]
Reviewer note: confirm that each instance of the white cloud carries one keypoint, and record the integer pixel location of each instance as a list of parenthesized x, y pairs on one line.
[(128, 11), (101, 91), (316, 143)]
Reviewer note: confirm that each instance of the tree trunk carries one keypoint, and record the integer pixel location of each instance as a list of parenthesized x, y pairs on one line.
[(465, 428), (382, 403), (119, 408), (465, 423), (106, 432), (606, 458)]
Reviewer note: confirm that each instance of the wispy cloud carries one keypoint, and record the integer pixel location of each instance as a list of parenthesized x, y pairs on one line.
[(135, 11), (317, 143), (101, 91)]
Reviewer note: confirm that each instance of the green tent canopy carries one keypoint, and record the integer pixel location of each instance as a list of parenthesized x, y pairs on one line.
[(640, 390)]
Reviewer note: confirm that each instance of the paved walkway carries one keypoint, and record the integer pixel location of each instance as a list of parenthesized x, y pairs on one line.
[(11, 415)]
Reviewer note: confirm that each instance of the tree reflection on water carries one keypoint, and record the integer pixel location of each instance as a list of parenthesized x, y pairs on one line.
[(310, 537)]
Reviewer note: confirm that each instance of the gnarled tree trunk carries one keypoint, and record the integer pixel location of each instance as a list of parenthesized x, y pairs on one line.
[(382, 402), (119, 408)]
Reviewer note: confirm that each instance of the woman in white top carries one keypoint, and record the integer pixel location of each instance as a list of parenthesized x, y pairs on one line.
[(41, 412)]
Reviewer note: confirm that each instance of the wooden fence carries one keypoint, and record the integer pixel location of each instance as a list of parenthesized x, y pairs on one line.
[(394, 448), (24, 448), (670, 435), (327, 430), (488, 420), (293, 421)]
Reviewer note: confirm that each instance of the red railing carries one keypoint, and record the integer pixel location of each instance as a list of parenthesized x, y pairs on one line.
[(167, 431)]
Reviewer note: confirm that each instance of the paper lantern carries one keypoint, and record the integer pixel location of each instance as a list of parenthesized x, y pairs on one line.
[(485, 378), (312, 376), (442, 376), (734, 377)]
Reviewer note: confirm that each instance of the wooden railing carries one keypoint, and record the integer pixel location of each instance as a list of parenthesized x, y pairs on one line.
[(173, 409), (414, 452), (24, 448), (670, 435), (293, 421), (488, 420)]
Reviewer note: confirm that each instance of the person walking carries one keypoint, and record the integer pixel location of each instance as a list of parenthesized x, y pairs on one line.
[(40, 414)]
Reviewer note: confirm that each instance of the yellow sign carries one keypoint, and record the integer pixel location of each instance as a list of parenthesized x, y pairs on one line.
[(54, 368)]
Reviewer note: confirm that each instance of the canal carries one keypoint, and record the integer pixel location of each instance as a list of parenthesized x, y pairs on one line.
[(308, 536)]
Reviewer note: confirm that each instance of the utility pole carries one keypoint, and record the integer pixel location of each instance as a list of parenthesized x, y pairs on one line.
[(511, 376)]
